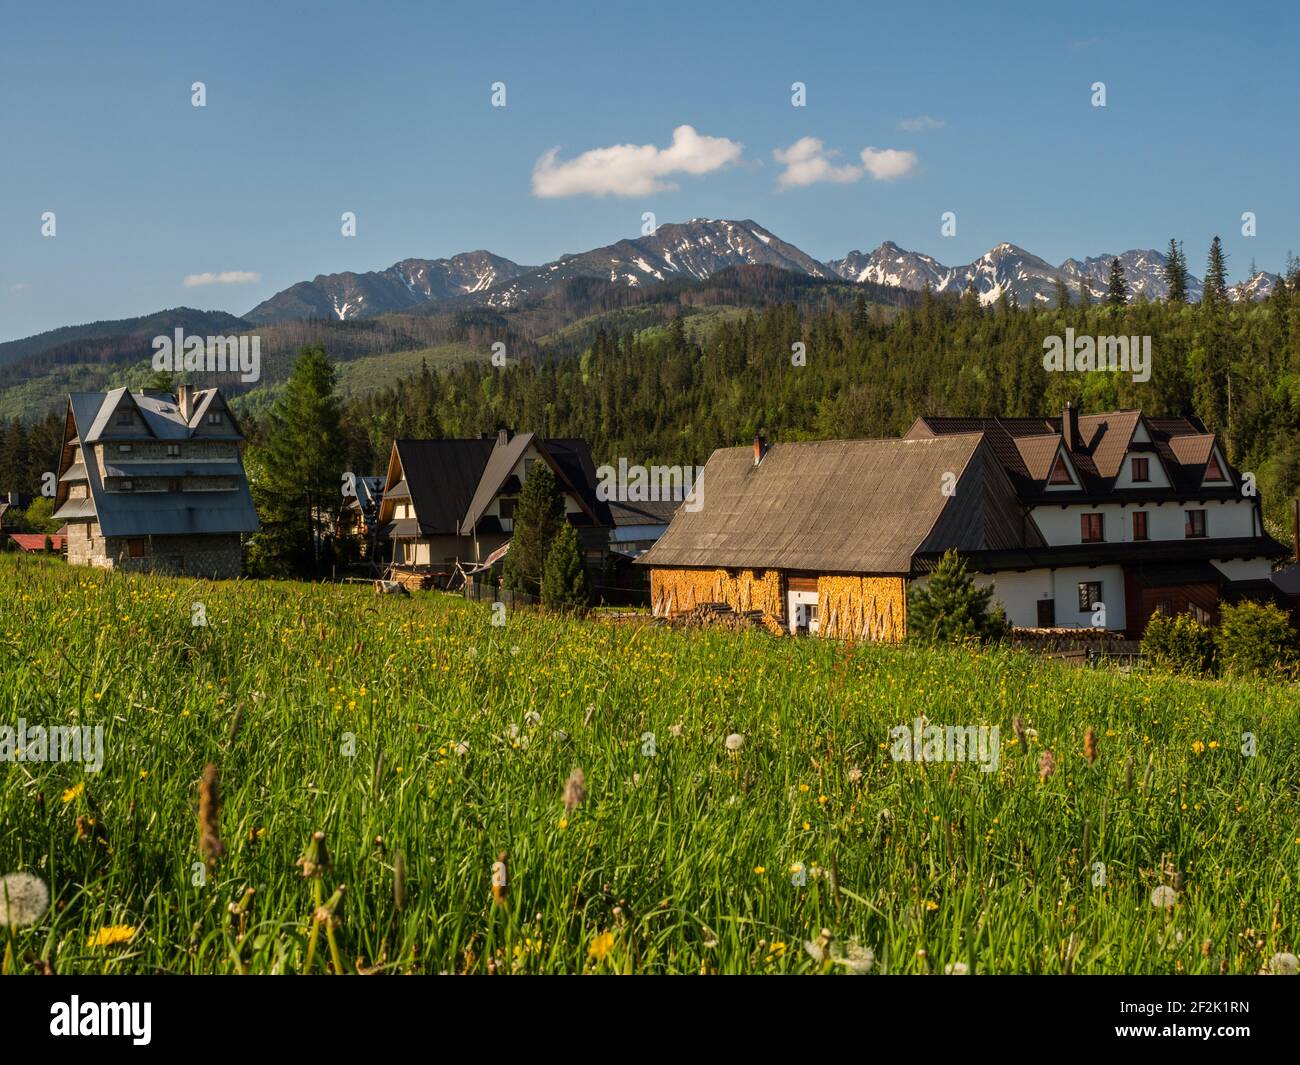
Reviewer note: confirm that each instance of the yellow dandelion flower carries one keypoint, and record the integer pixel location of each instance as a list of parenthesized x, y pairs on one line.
[(111, 935), (74, 791), (600, 946), (759, 870)]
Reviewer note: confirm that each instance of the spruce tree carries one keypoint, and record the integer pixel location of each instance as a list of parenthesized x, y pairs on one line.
[(1085, 295), (564, 577), (539, 516), (1176, 272), (1216, 274), (296, 478), (1062, 293), (1117, 288), (951, 609)]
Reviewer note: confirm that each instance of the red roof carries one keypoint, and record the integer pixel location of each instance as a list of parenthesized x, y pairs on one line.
[(35, 541)]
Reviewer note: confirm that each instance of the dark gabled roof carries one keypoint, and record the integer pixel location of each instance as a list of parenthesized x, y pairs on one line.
[(845, 506), (441, 476), (451, 483)]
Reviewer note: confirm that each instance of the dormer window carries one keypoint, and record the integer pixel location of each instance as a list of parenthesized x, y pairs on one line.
[(1141, 469), (1060, 472), (1213, 471)]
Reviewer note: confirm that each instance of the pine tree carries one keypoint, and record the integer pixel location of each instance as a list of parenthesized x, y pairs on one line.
[(1176, 272), (1062, 293), (300, 469), (1085, 295), (564, 577), (1117, 288), (949, 608), (539, 514), (1216, 275)]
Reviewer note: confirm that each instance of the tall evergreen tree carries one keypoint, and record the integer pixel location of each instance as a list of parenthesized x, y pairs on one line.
[(1216, 274), (1062, 293), (1176, 272), (539, 515), (564, 577), (1117, 287), (298, 479)]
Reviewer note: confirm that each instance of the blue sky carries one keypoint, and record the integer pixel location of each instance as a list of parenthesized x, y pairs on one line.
[(384, 109)]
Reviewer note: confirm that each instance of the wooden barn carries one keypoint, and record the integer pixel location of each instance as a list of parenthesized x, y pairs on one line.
[(823, 536)]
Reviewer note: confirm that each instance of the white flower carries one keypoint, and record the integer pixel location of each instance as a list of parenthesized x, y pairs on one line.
[(532, 719), (23, 899), (1163, 897), (857, 959), (473, 652), (512, 733), (955, 968), (1284, 965), (462, 748), (855, 774), (676, 730), (815, 950), (735, 741)]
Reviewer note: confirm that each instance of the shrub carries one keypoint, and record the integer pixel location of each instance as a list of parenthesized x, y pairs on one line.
[(1256, 639), (949, 608), (1179, 644)]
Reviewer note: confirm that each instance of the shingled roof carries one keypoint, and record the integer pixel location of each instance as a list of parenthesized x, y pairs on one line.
[(846, 506)]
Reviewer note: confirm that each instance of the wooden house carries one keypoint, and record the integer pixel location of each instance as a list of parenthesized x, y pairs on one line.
[(450, 503)]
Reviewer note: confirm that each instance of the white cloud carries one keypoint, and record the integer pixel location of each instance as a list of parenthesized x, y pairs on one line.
[(17, 286), (807, 162), (632, 169), (228, 277), (921, 122), (886, 164)]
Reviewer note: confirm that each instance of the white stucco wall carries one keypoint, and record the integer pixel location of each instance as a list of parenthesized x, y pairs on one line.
[(1019, 594), (1165, 521)]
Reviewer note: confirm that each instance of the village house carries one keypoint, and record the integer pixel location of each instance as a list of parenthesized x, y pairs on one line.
[(448, 505), (1077, 522), (153, 481)]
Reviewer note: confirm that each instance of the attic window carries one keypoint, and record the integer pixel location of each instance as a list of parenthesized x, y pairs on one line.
[(1060, 472), (1141, 470), (216, 417), (1213, 471)]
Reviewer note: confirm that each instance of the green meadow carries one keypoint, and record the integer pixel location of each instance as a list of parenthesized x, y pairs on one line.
[(425, 743)]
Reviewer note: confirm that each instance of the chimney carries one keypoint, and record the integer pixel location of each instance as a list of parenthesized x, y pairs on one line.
[(503, 437), (185, 400), (1070, 427), (760, 448)]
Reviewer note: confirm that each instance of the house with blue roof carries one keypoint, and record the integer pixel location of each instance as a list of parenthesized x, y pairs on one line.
[(151, 481)]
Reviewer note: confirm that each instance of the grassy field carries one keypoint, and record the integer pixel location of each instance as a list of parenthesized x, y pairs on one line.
[(424, 742)]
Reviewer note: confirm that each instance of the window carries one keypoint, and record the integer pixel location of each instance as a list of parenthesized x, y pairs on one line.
[(1046, 613), (126, 485), (1213, 471), (1140, 525), (1090, 528), (1141, 469), (215, 417), (1089, 593), (124, 449), (507, 508), (1060, 472), (528, 467), (1195, 526), (1199, 613), (1165, 607), (124, 417), (135, 547), (173, 451)]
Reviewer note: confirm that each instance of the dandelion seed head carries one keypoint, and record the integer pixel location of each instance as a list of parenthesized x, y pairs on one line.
[(23, 899)]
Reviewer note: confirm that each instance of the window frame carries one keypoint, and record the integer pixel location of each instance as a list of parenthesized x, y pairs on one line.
[(1146, 525), (1190, 523), (1098, 598), (1145, 467), (1085, 521)]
